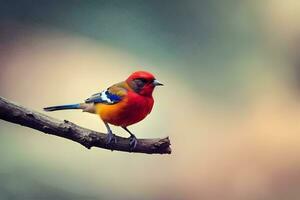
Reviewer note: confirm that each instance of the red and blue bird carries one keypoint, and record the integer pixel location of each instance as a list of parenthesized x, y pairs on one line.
[(122, 104)]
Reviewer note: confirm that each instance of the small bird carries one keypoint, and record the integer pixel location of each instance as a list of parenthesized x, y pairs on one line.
[(122, 104)]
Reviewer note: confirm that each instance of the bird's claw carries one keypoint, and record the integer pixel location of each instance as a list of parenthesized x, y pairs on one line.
[(110, 139), (132, 142)]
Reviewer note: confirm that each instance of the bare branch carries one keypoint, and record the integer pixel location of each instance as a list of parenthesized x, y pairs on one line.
[(17, 114)]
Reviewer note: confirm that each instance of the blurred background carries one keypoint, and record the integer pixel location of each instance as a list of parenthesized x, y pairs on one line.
[(230, 104)]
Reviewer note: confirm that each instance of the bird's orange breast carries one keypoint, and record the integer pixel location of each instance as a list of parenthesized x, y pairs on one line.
[(132, 109)]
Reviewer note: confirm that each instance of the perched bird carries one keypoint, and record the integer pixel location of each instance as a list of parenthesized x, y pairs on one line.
[(122, 104)]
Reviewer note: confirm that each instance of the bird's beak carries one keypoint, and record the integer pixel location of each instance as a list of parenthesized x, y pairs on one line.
[(157, 83)]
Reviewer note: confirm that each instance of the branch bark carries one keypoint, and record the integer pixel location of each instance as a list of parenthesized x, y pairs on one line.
[(17, 114)]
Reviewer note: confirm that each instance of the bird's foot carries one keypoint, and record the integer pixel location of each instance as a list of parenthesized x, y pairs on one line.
[(132, 142), (110, 139)]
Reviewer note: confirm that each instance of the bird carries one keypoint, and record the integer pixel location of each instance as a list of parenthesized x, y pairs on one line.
[(122, 104)]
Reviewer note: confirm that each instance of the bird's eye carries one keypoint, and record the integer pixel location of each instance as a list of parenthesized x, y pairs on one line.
[(140, 82)]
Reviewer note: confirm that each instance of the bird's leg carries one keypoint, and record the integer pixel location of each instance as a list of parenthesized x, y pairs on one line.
[(110, 138), (132, 139)]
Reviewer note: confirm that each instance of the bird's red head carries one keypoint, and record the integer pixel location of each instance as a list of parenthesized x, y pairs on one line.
[(142, 82)]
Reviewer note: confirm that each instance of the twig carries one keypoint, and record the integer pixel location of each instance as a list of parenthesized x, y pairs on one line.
[(17, 114)]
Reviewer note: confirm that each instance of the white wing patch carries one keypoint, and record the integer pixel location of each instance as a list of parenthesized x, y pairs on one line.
[(104, 97)]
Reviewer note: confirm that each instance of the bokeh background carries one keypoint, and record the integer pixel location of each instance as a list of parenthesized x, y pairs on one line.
[(230, 104)]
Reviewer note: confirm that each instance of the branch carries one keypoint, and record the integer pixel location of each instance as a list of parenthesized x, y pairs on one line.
[(19, 115)]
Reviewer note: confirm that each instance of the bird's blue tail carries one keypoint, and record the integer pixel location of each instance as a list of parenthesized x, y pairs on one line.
[(63, 107)]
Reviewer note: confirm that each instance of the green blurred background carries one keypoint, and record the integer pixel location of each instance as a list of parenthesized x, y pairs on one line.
[(230, 104)]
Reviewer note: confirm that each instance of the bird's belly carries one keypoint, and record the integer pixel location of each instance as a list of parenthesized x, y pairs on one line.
[(124, 113)]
